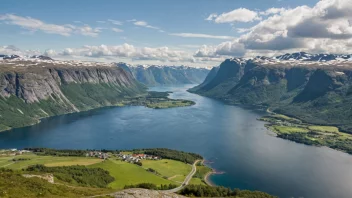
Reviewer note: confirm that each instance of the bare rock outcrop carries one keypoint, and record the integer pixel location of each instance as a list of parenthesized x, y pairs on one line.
[(144, 193)]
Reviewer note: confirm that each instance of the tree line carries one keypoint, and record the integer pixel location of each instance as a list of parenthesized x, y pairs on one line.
[(219, 191), (81, 175), (170, 154)]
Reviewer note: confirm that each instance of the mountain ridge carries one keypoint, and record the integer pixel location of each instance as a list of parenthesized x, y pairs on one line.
[(31, 90), (316, 92)]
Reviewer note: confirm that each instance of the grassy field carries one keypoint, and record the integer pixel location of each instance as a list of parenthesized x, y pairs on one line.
[(174, 170), (7, 162), (329, 136), (169, 104), (284, 117), (123, 172), (330, 129), (198, 178), (128, 174), (289, 129)]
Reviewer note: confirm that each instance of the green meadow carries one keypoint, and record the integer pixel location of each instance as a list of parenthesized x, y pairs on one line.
[(129, 174)]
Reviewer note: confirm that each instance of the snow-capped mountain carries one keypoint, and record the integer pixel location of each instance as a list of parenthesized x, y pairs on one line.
[(7, 57), (303, 56), (14, 56), (41, 57)]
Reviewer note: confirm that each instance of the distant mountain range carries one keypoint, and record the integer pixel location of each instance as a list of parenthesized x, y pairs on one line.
[(314, 88), (14, 56), (153, 75), (303, 56)]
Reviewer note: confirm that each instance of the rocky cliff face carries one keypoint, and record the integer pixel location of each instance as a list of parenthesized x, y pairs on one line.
[(29, 92), (314, 92)]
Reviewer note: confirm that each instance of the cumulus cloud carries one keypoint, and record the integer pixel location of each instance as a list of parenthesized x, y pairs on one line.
[(33, 25), (228, 48), (129, 51), (237, 15), (272, 11), (50, 53), (11, 49), (325, 27), (195, 35)]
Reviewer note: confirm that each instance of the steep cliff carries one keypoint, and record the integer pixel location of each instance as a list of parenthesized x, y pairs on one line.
[(211, 75), (153, 75), (30, 91), (314, 92)]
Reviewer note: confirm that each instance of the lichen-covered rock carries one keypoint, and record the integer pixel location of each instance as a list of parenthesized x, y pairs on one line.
[(144, 193)]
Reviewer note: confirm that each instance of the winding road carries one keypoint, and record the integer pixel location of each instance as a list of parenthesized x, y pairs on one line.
[(186, 181)]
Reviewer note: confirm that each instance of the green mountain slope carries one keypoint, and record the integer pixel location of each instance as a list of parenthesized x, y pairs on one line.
[(28, 93), (315, 93)]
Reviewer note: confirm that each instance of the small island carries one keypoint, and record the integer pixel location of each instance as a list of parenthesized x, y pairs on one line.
[(316, 135), (157, 100), (43, 172)]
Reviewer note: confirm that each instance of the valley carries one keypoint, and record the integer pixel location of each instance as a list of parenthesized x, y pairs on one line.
[(176, 99), (156, 75), (68, 97)]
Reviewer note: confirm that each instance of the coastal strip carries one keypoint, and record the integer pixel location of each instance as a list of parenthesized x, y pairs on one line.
[(206, 177), (207, 180)]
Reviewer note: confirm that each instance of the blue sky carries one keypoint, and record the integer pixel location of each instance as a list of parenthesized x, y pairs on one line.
[(180, 26)]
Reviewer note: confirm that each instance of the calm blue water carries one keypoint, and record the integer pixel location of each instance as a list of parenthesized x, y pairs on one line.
[(229, 136)]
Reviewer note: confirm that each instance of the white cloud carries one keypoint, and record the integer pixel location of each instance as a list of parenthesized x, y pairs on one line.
[(325, 27), (195, 35), (237, 15), (129, 51), (211, 17), (243, 30), (50, 53), (116, 30), (228, 48), (272, 11), (11, 49), (87, 31), (115, 22), (33, 25), (146, 25)]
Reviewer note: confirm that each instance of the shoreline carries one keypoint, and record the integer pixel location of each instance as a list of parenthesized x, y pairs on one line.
[(206, 177), (119, 104), (207, 180)]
